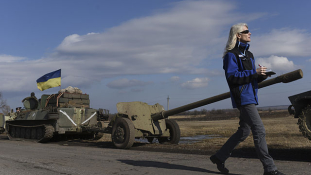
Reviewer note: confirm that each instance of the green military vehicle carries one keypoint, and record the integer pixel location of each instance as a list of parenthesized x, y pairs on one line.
[(62, 115)]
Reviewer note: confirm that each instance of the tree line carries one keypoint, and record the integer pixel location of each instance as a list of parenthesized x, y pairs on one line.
[(5, 108)]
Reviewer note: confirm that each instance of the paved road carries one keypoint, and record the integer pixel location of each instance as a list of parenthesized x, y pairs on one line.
[(20, 157)]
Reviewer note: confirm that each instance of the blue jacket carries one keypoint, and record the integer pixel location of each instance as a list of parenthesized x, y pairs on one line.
[(240, 69)]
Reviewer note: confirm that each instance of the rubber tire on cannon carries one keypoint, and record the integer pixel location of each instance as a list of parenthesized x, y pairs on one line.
[(174, 131), (304, 122), (123, 133)]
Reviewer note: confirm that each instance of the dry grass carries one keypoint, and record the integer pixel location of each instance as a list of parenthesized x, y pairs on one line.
[(281, 132)]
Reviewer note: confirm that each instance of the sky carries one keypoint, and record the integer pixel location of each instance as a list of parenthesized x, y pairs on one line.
[(138, 50)]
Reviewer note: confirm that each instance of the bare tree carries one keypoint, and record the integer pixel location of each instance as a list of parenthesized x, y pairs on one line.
[(3, 105)]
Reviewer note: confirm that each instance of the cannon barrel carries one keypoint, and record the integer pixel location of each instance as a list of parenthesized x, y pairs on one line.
[(285, 78)]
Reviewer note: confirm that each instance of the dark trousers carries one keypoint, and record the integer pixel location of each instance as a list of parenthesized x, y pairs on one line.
[(249, 121)]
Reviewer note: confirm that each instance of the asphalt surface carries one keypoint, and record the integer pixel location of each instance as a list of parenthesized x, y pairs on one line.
[(23, 157)]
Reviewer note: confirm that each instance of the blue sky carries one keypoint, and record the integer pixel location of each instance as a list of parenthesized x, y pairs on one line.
[(121, 51)]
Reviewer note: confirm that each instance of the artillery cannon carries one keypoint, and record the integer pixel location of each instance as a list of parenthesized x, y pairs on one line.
[(137, 119), (301, 109)]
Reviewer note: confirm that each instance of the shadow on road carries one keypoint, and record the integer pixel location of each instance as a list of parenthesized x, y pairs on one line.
[(166, 166)]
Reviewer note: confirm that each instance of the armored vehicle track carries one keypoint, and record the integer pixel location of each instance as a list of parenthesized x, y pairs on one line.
[(38, 133), (44, 133)]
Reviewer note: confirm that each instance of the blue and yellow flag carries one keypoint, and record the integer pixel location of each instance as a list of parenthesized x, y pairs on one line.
[(49, 80)]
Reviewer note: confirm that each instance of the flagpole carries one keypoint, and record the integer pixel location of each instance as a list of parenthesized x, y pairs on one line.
[(60, 85)]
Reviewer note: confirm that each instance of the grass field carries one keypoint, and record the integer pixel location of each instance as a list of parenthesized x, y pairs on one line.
[(281, 133)]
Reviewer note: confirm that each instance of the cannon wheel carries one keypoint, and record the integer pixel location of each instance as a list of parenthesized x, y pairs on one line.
[(174, 130), (123, 133), (304, 122)]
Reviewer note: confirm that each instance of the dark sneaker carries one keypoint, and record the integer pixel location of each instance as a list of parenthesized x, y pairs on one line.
[(275, 172), (220, 165)]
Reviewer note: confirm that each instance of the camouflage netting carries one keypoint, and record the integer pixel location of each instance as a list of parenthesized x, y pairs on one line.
[(72, 90)]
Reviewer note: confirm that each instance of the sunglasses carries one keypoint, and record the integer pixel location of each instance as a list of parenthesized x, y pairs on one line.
[(245, 32)]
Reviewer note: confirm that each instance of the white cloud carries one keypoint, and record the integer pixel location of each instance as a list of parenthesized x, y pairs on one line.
[(125, 83), (277, 63), (174, 79), (195, 83), (285, 42), (10, 59), (70, 40)]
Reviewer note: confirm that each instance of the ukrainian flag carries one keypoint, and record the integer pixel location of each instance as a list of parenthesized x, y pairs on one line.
[(49, 80)]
